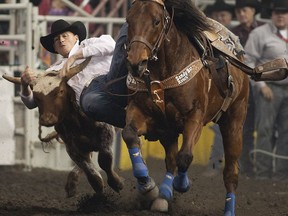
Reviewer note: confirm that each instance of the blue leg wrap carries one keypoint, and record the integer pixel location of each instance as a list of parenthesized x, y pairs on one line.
[(181, 182), (139, 168), (229, 205), (166, 190)]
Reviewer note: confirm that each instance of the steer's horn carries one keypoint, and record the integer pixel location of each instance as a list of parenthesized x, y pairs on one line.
[(15, 80), (74, 70)]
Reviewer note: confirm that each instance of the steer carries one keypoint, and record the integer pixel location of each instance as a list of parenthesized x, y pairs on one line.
[(81, 135)]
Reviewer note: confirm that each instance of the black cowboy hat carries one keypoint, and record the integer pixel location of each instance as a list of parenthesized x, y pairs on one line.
[(60, 26), (249, 3), (219, 5), (279, 5)]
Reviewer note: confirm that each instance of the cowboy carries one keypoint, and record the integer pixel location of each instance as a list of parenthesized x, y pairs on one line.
[(107, 63), (266, 43), (221, 12), (245, 11)]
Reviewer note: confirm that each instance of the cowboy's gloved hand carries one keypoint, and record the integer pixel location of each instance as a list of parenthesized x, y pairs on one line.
[(267, 92), (27, 76)]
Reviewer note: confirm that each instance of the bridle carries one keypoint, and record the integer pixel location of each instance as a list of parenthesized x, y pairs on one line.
[(167, 20)]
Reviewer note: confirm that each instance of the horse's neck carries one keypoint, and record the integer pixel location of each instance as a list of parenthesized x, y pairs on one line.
[(178, 52)]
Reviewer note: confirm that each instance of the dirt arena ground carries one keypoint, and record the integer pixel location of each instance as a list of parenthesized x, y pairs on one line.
[(41, 193)]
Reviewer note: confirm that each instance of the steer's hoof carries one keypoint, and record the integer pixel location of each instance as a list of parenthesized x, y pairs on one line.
[(160, 205)]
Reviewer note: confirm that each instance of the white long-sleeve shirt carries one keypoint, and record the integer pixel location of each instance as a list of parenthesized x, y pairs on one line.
[(100, 48)]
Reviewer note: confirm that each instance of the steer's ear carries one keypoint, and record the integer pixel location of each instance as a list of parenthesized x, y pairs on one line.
[(74, 70), (15, 80)]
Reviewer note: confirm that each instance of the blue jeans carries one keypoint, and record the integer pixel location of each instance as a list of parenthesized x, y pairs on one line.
[(96, 100)]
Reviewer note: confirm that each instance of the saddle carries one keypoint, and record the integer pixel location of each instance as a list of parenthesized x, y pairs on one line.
[(227, 51), (224, 41)]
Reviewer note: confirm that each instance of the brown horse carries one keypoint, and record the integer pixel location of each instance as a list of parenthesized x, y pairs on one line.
[(177, 91)]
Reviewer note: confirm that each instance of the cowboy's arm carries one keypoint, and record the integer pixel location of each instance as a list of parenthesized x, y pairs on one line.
[(27, 76), (97, 46)]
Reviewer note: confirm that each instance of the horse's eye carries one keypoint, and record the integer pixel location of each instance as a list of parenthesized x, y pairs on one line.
[(156, 22)]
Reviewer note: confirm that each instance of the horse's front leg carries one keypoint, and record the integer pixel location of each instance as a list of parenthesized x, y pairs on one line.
[(170, 145), (191, 133), (131, 132)]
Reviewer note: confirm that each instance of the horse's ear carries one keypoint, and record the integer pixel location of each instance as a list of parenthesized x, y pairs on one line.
[(161, 2)]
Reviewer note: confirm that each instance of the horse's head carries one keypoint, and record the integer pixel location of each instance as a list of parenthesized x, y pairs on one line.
[(149, 23)]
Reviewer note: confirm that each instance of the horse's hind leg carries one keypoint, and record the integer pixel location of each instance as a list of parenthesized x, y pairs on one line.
[(232, 139), (105, 160), (72, 181)]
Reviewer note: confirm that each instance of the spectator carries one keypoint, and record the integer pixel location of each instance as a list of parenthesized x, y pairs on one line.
[(245, 11), (264, 44), (58, 8), (221, 12), (4, 30), (44, 7)]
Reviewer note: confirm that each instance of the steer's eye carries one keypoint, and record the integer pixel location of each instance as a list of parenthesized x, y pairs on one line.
[(61, 92)]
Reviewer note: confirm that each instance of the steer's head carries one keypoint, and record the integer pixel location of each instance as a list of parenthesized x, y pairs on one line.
[(52, 98), (52, 95)]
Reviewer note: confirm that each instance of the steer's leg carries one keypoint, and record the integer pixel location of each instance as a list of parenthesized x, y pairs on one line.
[(83, 161), (72, 181), (105, 160)]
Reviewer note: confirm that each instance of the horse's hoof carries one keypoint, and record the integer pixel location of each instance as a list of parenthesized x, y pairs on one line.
[(160, 205), (150, 195), (229, 214), (181, 182), (145, 185), (229, 205), (146, 199)]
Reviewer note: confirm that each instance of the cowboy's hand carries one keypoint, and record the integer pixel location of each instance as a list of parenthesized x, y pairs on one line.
[(65, 69), (27, 76), (267, 92)]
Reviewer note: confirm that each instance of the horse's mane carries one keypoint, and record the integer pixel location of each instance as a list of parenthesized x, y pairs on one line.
[(187, 17)]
